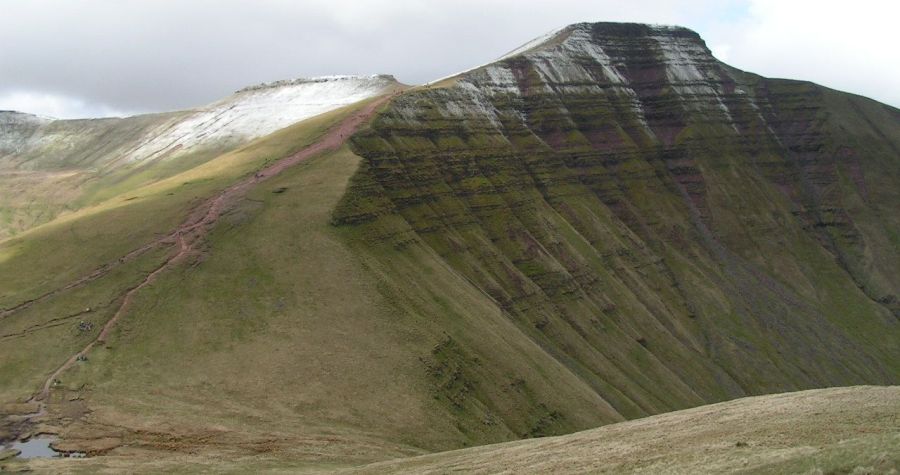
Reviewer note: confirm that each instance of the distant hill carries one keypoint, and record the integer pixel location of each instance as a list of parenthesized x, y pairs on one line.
[(48, 166)]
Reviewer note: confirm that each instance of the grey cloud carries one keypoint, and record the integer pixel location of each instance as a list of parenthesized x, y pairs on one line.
[(153, 55)]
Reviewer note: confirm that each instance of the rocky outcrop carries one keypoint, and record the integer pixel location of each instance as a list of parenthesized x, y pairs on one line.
[(17, 129), (672, 230)]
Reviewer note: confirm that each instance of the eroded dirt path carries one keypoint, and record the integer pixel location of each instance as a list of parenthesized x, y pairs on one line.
[(191, 232), (209, 211)]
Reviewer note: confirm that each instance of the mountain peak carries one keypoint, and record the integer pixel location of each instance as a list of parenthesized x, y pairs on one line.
[(600, 32), (562, 52), (637, 29), (633, 63)]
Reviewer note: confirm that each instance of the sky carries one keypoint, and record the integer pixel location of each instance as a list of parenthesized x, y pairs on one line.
[(93, 58)]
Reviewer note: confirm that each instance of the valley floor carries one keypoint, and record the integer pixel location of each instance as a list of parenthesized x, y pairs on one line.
[(836, 430)]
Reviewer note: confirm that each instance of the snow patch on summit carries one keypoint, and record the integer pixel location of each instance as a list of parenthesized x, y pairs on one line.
[(689, 73), (520, 50), (500, 80), (260, 110), (16, 128), (565, 62), (533, 43), (680, 59)]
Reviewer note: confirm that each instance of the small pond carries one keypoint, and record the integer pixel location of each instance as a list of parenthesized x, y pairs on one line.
[(39, 447), (35, 447)]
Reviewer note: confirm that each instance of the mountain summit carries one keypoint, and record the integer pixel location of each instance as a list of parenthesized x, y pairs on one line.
[(673, 230)]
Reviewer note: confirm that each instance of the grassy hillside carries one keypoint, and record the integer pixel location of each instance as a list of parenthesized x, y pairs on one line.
[(846, 430), (254, 348), (49, 167), (610, 226), (52, 256), (840, 430)]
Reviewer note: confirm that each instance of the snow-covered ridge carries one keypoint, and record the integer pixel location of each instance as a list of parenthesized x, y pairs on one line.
[(534, 43), (537, 42), (260, 110), (252, 112), (581, 33), (337, 77), (7, 117)]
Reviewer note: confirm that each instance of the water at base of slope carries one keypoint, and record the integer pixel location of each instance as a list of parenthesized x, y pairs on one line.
[(39, 447)]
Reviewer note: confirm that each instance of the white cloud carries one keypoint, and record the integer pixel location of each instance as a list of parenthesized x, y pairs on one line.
[(849, 46), (153, 55), (54, 105), (722, 51)]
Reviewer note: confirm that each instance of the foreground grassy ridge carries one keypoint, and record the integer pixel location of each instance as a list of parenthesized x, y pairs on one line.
[(50, 256), (838, 430), (669, 255), (842, 430)]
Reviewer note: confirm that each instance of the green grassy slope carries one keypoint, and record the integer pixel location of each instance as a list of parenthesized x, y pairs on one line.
[(53, 255), (274, 341), (256, 348), (481, 265), (671, 255)]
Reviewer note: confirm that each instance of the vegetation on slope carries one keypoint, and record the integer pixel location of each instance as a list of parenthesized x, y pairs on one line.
[(48, 167), (256, 349), (55, 255), (671, 230), (843, 430), (514, 255)]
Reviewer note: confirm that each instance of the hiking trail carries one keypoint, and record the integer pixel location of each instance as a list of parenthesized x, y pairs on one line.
[(199, 222)]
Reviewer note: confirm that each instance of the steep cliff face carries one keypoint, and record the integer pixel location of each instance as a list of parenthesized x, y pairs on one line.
[(672, 230), (47, 166)]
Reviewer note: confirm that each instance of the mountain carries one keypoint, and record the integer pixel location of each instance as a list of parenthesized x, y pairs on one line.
[(605, 224), (49, 166), (672, 230)]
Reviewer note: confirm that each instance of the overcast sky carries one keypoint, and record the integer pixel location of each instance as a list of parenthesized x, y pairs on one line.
[(88, 58)]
